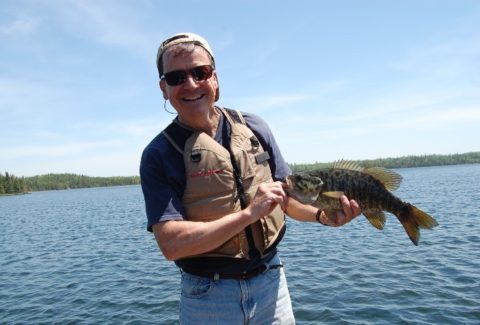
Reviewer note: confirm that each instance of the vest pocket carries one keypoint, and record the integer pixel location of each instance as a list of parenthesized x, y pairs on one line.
[(247, 168), (210, 190)]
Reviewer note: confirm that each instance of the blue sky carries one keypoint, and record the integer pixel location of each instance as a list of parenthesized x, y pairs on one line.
[(334, 79)]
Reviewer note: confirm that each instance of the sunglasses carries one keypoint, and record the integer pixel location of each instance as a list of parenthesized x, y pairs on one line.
[(178, 77)]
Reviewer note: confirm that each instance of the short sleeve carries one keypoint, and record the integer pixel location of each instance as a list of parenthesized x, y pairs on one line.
[(161, 181)]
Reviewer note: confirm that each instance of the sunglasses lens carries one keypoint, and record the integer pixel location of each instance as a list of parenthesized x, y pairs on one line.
[(175, 78), (178, 77), (202, 73)]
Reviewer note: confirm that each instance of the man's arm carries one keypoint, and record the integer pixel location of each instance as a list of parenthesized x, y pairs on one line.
[(179, 239)]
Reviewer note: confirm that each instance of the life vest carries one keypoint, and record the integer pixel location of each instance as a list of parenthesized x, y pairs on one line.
[(213, 191)]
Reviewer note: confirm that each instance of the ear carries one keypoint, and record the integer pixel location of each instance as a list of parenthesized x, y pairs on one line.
[(163, 88), (215, 77), (217, 88)]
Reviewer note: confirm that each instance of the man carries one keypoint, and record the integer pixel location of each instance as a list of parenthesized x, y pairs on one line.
[(215, 201)]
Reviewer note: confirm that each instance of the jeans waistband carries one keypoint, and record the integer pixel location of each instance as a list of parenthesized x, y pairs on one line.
[(236, 276)]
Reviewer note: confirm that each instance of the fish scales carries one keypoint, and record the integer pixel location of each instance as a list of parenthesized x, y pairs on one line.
[(371, 188), (368, 191)]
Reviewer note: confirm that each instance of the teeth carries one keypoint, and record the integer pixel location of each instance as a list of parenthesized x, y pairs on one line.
[(192, 98)]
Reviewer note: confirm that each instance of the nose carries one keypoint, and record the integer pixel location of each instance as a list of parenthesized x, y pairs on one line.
[(190, 81)]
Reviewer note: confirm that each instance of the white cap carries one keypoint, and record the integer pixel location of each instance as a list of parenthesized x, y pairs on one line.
[(181, 38)]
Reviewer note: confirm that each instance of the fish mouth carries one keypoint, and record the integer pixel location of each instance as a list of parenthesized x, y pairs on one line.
[(290, 189), (288, 180)]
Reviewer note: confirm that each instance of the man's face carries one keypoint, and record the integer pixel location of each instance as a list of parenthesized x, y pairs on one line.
[(192, 99)]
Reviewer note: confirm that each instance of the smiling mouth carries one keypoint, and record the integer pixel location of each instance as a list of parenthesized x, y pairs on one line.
[(193, 99)]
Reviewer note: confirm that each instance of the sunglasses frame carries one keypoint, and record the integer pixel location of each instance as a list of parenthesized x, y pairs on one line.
[(178, 77)]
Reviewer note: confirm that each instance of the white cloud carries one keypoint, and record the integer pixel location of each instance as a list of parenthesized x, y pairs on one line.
[(437, 119), (120, 163), (87, 115), (267, 102), (59, 150), (24, 95), (124, 163), (20, 26), (451, 58), (108, 23)]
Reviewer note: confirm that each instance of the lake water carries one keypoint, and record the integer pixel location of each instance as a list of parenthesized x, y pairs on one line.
[(84, 257)]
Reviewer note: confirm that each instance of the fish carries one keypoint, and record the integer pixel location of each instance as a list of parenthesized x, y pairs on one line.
[(370, 187)]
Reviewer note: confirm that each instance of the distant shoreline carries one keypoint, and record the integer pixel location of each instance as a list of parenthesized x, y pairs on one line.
[(11, 185), (404, 162)]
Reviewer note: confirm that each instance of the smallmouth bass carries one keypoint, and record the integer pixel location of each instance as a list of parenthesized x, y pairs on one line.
[(370, 187)]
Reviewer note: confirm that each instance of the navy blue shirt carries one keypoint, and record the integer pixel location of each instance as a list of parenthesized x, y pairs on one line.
[(162, 171)]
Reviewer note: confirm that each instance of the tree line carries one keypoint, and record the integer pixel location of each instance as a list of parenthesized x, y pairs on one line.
[(404, 162), (10, 184), (71, 181)]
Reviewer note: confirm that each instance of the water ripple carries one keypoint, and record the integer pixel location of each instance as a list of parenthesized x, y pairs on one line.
[(83, 257)]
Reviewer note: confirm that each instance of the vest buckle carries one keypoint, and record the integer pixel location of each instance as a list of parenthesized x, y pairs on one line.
[(195, 156), (255, 143)]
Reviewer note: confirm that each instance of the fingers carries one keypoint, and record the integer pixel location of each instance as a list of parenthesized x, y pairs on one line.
[(351, 209), (275, 193), (267, 197), (355, 208), (348, 208)]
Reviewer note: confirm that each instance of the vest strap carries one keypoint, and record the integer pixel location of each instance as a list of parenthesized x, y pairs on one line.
[(177, 135), (230, 114), (235, 115)]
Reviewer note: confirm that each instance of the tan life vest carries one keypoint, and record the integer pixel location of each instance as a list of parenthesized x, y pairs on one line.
[(211, 190)]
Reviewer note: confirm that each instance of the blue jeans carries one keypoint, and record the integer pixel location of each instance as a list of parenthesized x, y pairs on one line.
[(263, 299)]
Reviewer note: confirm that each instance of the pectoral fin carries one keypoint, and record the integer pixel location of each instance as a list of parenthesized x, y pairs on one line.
[(376, 218), (333, 194)]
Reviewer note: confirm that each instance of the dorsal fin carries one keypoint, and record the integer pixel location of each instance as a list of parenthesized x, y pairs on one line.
[(347, 164), (390, 179)]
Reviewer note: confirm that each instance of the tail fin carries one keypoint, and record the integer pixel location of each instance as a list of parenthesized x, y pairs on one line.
[(412, 219)]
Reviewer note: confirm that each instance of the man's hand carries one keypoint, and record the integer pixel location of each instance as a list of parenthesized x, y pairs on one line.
[(266, 198), (335, 218)]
